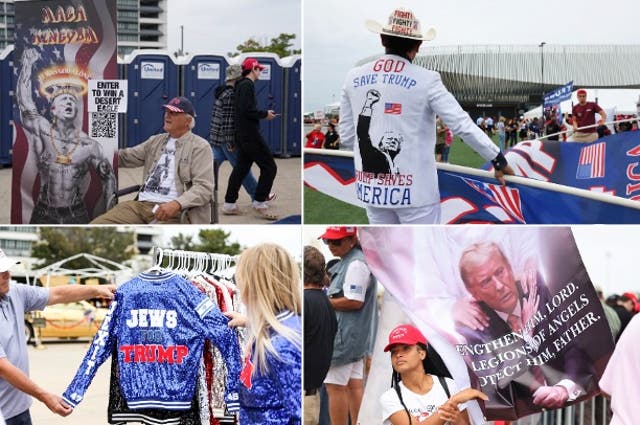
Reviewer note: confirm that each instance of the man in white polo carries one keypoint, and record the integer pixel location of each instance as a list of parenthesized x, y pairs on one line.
[(16, 388), (390, 98)]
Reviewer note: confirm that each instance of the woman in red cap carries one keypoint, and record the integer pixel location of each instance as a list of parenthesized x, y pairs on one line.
[(421, 391)]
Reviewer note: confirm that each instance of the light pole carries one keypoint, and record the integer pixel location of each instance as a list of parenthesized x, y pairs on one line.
[(181, 40), (542, 74)]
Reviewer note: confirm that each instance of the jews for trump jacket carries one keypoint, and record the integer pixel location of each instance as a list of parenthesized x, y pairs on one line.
[(388, 114), (158, 323)]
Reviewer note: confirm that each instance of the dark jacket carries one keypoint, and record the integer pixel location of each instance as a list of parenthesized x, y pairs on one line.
[(247, 116), (514, 393), (222, 126)]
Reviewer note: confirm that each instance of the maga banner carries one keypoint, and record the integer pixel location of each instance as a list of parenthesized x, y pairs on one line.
[(511, 310), (62, 174)]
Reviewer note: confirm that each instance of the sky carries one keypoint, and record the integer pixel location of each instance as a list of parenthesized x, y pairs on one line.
[(335, 37), (288, 236), (608, 252), (217, 27)]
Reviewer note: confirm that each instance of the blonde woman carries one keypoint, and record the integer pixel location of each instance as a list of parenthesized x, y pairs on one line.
[(269, 282)]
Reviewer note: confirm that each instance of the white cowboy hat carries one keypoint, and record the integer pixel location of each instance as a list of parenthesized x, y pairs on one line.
[(401, 23)]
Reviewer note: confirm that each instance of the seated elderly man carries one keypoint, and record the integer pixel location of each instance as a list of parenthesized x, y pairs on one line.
[(177, 173)]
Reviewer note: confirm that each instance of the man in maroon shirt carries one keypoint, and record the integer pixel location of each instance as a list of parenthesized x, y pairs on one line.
[(584, 114)]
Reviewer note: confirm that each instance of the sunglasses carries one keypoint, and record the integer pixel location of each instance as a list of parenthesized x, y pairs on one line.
[(333, 242)]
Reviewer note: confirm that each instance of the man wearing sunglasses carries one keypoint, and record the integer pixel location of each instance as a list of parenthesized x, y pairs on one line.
[(352, 294)]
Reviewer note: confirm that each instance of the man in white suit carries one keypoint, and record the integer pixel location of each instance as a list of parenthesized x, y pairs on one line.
[(391, 95)]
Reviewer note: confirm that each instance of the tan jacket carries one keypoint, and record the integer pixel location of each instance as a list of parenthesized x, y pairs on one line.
[(194, 170)]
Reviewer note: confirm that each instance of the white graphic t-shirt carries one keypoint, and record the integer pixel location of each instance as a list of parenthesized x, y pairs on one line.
[(420, 406), (160, 186)]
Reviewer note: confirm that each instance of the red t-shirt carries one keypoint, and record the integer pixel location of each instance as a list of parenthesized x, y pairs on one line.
[(314, 139), (586, 115)]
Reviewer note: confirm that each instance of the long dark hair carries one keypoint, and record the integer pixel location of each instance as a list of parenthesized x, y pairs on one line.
[(433, 365)]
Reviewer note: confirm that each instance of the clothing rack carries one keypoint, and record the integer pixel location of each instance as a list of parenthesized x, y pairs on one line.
[(184, 261)]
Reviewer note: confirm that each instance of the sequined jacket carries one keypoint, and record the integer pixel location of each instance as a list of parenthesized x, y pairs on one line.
[(158, 323), (275, 397)]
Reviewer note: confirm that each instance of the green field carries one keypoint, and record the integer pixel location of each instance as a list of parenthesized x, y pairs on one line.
[(322, 209)]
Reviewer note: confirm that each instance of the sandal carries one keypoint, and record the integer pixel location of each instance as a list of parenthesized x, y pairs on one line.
[(266, 214), (232, 211)]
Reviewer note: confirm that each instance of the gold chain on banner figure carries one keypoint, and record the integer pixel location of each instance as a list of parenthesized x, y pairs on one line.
[(61, 157)]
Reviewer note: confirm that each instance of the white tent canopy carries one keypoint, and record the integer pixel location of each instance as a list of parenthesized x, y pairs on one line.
[(102, 267)]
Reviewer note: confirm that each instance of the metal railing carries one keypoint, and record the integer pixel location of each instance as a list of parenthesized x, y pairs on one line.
[(595, 411)]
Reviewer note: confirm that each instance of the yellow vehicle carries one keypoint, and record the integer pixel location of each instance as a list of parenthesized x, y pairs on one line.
[(72, 320)]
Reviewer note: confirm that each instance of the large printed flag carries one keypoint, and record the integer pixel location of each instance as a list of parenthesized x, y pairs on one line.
[(558, 336), (567, 183), (611, 165), (61, 174)]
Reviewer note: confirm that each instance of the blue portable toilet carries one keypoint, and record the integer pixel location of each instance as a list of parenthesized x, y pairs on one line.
[(200, 78), (153, 79), (292, 128), (122, 118), (269, 95), (6, 105)]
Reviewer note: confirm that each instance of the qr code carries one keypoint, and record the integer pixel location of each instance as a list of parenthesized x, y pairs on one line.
[(104, 124)]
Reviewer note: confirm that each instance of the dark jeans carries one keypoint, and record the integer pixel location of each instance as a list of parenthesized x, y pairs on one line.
[(23, 418), (248, 153)]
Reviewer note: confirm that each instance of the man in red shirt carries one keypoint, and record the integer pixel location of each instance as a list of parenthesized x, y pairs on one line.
[(584, 114), (315, 138)]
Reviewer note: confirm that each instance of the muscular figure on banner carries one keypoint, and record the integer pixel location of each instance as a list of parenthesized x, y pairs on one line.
[(515, 366), (62, 152)]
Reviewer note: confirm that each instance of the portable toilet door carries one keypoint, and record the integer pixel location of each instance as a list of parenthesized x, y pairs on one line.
[(269, 96), (153, 78), (292, 114), (6, 106), (200, 78)]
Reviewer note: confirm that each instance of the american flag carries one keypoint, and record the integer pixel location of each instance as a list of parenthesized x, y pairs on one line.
[(506, 198), (393, 108), (591, 162)]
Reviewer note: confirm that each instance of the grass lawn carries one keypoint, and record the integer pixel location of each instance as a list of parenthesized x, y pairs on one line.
[(322, 209)]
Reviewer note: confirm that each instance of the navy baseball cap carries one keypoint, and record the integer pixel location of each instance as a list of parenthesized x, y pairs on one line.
[(181, 104)]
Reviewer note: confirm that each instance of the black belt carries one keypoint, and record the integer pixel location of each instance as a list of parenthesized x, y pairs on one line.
[(312, 391)]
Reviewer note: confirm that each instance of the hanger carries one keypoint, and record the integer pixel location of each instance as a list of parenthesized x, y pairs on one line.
[(157, 267)]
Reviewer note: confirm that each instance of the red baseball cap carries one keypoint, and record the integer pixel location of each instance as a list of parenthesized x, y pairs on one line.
[(405, 334), (581, 91), (251, 63), (338, 232)]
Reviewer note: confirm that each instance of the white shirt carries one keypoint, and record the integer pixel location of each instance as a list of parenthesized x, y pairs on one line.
[(356, 281), (401, 134), (160, 186), (421, 406), (621, 376)]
